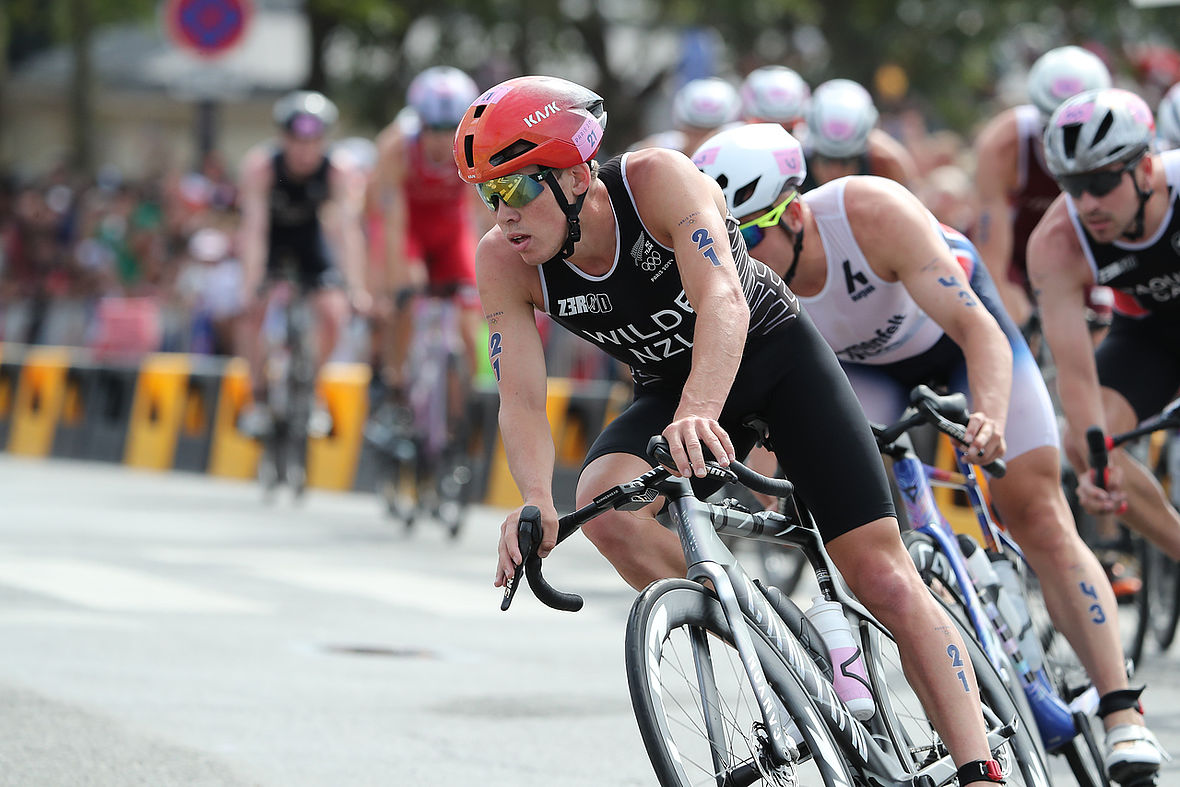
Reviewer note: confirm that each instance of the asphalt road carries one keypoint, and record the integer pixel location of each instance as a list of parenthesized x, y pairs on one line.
[(174, 630)]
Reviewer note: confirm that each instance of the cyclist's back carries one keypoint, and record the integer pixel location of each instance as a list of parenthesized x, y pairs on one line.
[(296, 236)]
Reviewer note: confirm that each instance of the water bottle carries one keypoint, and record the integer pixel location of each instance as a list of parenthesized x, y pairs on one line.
[(1013, 597), (850, 681), (997, 605)]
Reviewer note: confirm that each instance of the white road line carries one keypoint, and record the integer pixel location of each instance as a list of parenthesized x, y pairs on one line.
[(105, 587)]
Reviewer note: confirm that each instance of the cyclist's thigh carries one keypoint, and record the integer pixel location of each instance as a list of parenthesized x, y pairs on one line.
[(450, 258), (646, 416), (881, 396), (1139, 359), (820, 434)]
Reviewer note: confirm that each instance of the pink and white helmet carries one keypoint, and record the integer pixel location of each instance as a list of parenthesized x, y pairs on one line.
[(1064, 72), (774, 94), (753, 164), (440, 96), (705, 103), (840, 118), (1097, 128)]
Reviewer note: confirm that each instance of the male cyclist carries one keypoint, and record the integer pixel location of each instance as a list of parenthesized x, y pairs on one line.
[(301, 213), (640, 257), (430, 229), (1115, 225), (1012, 180), (904, 301), (843, 139), (699, 109)]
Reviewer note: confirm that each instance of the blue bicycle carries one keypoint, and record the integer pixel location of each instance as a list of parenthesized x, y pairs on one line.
[(991, 585)]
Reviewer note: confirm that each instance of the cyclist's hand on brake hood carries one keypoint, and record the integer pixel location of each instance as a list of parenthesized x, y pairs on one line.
[(985, 439), (689, 437), (509, 556)]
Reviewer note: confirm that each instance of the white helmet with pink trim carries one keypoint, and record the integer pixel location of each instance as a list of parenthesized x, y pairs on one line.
[(705, 103), (753, 164), (1064, 72), (1097, 128), (775, 94), (840, 118)]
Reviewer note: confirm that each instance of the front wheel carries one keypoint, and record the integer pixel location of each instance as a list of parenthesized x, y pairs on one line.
[(697, 711)]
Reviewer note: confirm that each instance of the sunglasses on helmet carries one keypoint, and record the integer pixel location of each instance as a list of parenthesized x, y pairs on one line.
[(1098, 184), (516, 190), (754, 230)]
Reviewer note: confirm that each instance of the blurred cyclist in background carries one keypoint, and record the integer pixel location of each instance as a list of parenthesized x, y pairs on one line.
[(843, 139), (775, 94), (1012, 180), (430, 225), (699, 109), (1167, 120), (300, 213)]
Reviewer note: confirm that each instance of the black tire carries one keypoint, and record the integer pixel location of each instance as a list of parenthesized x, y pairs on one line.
[(667, 640), (1164, 604)]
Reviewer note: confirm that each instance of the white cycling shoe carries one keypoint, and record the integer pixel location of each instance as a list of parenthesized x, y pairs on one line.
[(1126, 764)]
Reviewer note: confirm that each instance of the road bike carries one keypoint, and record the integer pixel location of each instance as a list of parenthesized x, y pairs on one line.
[(992, 586), (290, 399), (423, 441), (732, 684)]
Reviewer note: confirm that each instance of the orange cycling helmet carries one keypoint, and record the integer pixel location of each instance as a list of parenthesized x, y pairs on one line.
[(540, 120)]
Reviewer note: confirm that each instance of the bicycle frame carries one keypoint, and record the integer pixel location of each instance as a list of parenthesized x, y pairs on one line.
[(914, 478), (699, 526)]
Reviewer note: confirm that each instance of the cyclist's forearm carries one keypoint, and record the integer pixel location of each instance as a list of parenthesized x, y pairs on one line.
[(718, 342), (989, 374), (353, 257), (528, 445)]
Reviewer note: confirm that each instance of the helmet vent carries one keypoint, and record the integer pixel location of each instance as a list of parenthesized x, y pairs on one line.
[(468, 149), (515, 150), (722, 181), (478, 111), (742, 195), (1069, 138), (1104, 127)]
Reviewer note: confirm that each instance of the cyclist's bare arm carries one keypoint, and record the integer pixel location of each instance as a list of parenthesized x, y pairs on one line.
[(342, 217), (905, 246), (508, 288), (889, 158), (254, 197), (1059, 274), (390, 176), (684, 209), (997, 151)]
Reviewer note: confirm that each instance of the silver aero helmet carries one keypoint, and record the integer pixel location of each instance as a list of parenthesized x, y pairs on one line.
[(753, 164), (1097, 128), (306, 114), (774, 94), (1167, 120), (440, 96), (705, 103), (840, 118), (1064, 72)]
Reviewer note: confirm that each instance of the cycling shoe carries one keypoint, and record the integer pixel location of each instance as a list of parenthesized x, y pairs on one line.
[(1129, 764)]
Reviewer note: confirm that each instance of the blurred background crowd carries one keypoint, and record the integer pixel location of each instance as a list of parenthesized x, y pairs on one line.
[(119, 143)]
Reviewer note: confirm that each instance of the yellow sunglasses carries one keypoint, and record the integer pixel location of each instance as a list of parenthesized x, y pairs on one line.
[(754, 230)]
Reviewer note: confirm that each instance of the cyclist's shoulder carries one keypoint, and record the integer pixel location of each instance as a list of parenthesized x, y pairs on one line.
[(1000, 135), (258, 163), (1054, 245)]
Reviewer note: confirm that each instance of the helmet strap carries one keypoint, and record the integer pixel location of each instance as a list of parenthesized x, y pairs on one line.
[(571, 211), (1136, 232), (790, 274)]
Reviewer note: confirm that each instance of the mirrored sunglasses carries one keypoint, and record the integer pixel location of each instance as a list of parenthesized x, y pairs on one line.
[(754, 230), (516, 190)]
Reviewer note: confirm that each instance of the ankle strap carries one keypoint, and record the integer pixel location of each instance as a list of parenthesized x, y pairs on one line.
[(980, 771), (1122, 699)]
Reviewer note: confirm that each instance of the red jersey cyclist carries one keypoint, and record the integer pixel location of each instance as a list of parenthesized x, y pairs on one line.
[(430, 224)]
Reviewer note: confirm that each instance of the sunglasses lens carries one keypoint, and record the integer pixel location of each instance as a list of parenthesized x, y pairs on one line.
[(752, 235), (516, 190), (1098, 184)]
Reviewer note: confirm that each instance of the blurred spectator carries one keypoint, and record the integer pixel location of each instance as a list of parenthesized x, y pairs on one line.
[(209, 284)]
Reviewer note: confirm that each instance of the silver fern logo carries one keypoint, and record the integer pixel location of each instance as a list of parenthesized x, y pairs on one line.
[(645, 254)]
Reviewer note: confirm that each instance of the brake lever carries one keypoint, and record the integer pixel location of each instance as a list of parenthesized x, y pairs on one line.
[(528, 535)]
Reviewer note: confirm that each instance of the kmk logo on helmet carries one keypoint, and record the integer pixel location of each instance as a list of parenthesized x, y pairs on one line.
[(541, 114)]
